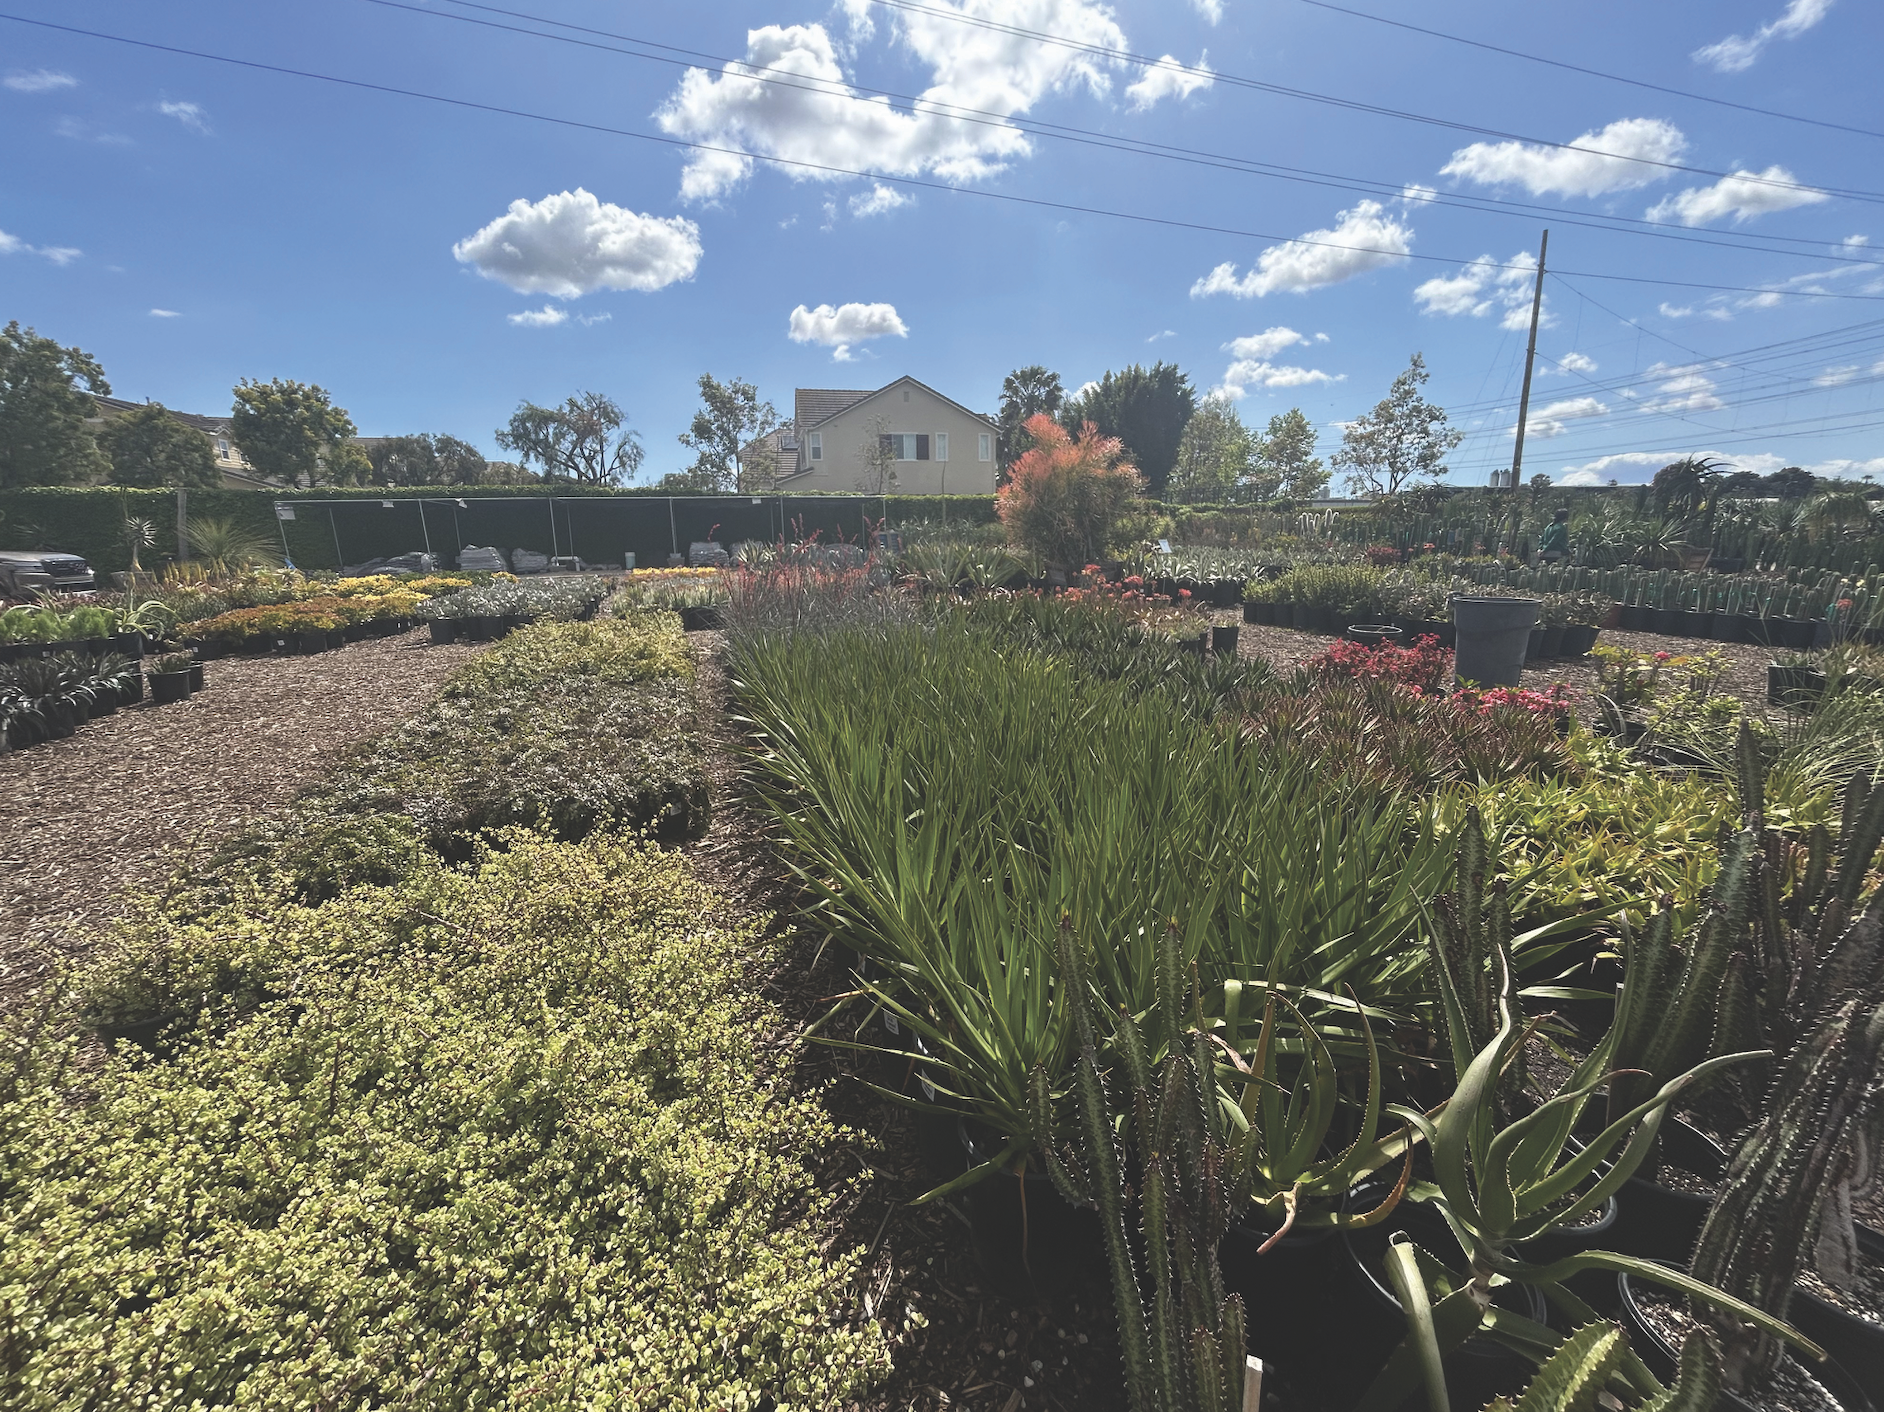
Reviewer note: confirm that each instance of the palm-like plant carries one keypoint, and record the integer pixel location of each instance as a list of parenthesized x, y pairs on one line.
[(225, 546)]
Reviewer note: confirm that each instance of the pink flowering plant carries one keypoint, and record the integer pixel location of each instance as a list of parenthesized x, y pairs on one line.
[(1424, 666)]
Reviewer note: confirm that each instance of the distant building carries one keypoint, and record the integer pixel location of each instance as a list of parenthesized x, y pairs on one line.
[(938, 446), (236, 472)]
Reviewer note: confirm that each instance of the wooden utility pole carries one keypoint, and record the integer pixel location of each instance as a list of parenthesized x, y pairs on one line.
[(1530, 356)]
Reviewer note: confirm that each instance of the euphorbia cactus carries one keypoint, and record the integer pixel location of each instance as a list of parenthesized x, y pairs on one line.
[(1154, 1128)]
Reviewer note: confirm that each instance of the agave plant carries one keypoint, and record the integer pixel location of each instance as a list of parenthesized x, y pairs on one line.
[(225, 546)]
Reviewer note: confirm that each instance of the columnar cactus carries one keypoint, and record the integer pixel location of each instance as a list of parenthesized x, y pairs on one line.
[(1182, 1339), (1763, 1226)]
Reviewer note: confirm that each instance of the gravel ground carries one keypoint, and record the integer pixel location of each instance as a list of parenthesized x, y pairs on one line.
[(1745, 676), (86, 819)]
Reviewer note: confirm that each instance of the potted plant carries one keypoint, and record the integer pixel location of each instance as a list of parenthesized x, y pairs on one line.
[(170, 677), (1795, 680)]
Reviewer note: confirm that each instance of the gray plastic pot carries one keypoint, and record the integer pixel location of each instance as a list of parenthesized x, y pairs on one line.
[(1492, 636)]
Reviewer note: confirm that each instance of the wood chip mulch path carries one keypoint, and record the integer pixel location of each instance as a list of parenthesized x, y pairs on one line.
[(956, 1340), (85, 820)]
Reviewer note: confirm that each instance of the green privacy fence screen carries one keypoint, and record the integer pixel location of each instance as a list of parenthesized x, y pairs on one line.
[(334, 527)]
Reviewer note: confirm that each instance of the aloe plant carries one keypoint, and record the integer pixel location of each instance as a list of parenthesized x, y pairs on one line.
[(1499, 1187), (1573, 1377)]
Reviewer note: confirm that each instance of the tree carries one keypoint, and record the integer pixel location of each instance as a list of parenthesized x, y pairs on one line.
[(1069, 495), (1286, 457), (730, 419), (43, 410), (425, 459), (877, 455), (152, 449), (1403, 441), (346, 464), (1215, 459), (1146, 409), (1025, 393), (1791, 483), (583, 440), (286, 429)]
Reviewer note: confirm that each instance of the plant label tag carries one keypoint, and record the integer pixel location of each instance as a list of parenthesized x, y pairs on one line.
[(890, 1023), (928, 1090)]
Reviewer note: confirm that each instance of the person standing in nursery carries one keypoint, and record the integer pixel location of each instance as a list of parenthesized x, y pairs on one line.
[(1553, 545)]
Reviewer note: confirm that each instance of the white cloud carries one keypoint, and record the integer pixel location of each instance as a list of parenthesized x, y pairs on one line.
[(547, 317), (1415, 194), (571, 244), (1743, 195), (78, 130), (842, 327), (1086, 388), (1674, 311), (1581, 478), (878, 200), (826, 122), (1838, 377), (1485, 285), (1252, 367), (58, 254), (191, 115), (1686, 388), (1549, 421), (1855, 242), (590, 320), (38, 81), (1737, 52), (1211, 10), (1576, 363), (1364, 238), (1266, 344), (1167, 333), (1849, 470), (164, 314), (1591, 165), (1644, 464), (1169, 79)]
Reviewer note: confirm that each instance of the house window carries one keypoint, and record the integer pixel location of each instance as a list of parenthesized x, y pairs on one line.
[(907, 447), (941, 446), (222, 447), (817, 446), (987, 446)]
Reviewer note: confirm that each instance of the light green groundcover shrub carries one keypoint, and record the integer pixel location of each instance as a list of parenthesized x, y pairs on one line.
[(503, 1139)]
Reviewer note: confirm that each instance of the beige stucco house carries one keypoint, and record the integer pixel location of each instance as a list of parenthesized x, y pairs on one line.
[(840, 439), (235, 470)]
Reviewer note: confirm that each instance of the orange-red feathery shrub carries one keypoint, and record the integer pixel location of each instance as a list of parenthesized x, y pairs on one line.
[(1067, 497)]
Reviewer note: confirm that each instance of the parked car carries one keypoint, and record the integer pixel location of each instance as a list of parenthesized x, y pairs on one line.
[(24, 572)]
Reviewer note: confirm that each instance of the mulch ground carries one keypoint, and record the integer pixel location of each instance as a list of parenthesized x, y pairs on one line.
[(1745, 677), (84, 820), (961, 1336)]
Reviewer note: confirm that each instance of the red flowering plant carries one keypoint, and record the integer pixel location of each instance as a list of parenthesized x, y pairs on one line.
[(1558, 703), (1382, 556), (1424, 666)]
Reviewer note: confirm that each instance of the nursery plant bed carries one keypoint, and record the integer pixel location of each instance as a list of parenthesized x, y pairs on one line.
[(134, 788)]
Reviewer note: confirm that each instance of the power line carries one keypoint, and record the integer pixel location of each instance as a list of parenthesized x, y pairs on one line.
[(1035, 127), (1593, 73), (1308, 95), (1067, 207)]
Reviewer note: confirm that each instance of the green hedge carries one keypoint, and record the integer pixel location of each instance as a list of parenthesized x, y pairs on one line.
[(495, 1137)]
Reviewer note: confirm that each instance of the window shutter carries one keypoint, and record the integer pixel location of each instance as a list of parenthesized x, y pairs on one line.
[(922, 446)]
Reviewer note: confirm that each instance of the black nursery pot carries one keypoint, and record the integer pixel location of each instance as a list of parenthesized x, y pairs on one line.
[(444, 630), (1534, 647), (1661, 1357), (1289, 1294), (1372, 634), (167, 687), (1260, 614), (196, 678), (1284, 614), (1660, 1222), (1223, 639), (1477, 1371), (1028, 1239), (1636, 617), (1578, 639), (1855, 1343), (311, 641), (1798, 688), (705, 618), (1552, 646)]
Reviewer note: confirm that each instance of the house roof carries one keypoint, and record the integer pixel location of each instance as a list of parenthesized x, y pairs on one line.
[(814, 405), (210, 425), (828, 403)]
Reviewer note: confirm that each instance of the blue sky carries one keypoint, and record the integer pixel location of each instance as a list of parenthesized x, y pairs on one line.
[(190, 222)]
